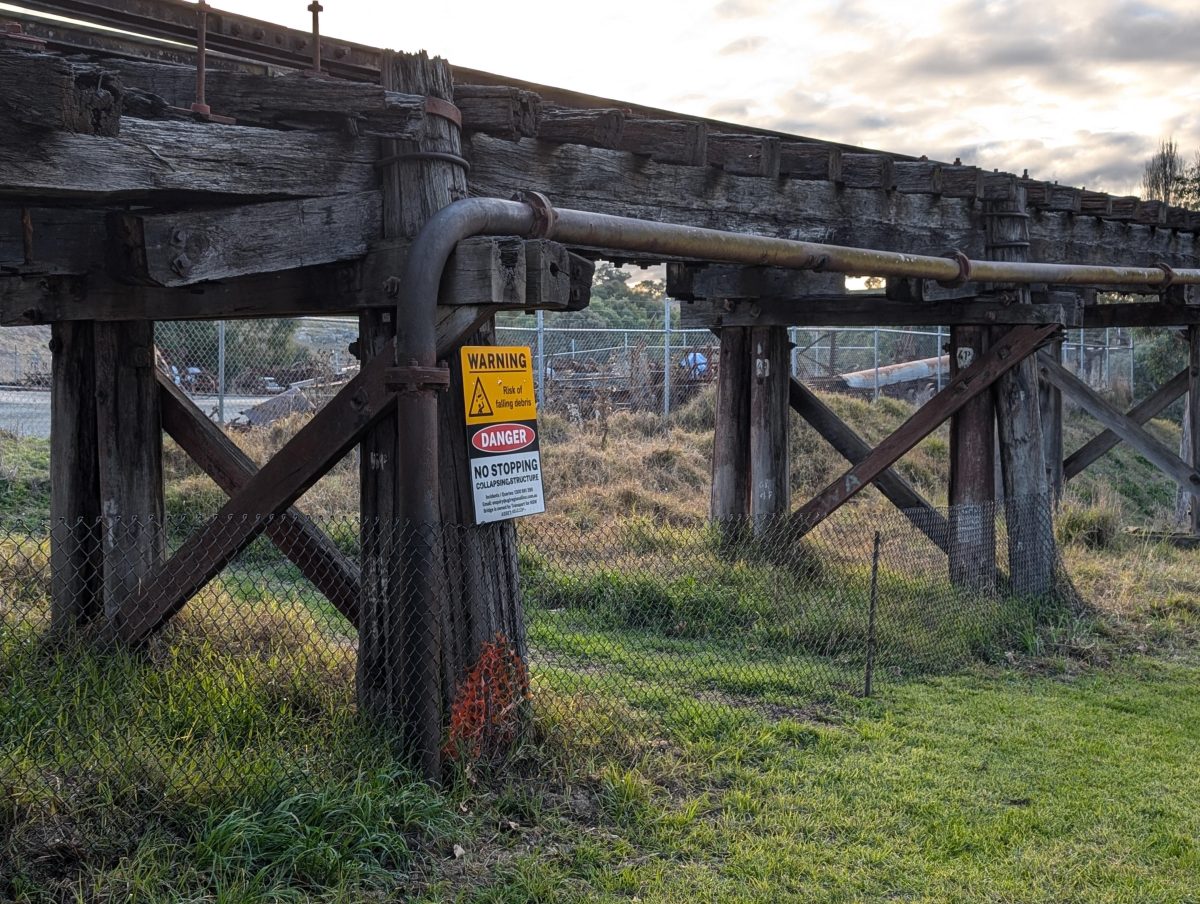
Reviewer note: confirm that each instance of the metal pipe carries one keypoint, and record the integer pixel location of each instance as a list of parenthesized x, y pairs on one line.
[(416, 342), (573, 227)]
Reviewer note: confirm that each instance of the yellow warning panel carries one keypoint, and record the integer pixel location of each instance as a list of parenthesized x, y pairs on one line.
[(498, 384)]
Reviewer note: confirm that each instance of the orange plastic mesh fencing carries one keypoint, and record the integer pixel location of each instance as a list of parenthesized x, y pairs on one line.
[(485, 717)]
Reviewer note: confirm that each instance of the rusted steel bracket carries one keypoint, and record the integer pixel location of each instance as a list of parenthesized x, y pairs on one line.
[(12, 37), (436, 106), (199, 108), (316, 9)]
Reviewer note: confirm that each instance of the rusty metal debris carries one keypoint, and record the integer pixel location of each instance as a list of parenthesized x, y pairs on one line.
[(13, 37), (316, 9)]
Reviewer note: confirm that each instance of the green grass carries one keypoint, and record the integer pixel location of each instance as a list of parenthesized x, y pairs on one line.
[(24, 479), (999, 786)]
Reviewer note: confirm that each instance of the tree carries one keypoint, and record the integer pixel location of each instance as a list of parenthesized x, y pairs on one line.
[(261, 345), (1164, 169), (1188, 185), (615, 304), (1167, 178)]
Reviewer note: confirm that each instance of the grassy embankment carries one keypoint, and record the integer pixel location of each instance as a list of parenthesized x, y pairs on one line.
[(1004, 783)]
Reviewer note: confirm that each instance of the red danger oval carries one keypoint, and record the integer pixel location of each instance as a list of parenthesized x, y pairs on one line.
[(503, 438)]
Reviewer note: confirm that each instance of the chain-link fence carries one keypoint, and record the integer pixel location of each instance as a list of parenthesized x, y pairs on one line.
[(254, 372), (577, 635)]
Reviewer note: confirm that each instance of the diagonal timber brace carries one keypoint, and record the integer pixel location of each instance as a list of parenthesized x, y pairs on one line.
[(1148, 408), (297, 466), (1122, 425), (1006, 354), (855, 449), (296, 536), (271, 491)]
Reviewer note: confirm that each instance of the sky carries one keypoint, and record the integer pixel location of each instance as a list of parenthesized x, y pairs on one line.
[(1079, 91)]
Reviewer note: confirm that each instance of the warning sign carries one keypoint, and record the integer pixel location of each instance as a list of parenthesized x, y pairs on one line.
[(501, 415)]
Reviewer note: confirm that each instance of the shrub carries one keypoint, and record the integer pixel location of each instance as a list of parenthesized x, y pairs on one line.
[(1093, 527)]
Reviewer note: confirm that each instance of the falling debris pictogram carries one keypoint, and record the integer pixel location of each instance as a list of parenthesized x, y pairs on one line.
[(480, 406)]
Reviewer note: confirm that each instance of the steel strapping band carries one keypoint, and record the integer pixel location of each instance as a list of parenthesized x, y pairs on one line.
[(436, 106), (425, 155)]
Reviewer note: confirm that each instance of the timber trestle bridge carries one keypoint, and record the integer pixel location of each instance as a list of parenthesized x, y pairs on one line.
[(161, 160)]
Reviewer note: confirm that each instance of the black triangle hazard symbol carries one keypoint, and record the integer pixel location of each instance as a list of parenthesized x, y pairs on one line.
[(480, 406)]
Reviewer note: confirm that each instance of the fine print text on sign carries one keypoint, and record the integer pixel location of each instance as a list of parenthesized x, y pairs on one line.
[(501, 415)]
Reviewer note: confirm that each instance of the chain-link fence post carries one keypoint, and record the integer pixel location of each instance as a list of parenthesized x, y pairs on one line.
[(666, 357), (1133, 385), (876, 396), (937, 354), (541, 359), (221, 371)]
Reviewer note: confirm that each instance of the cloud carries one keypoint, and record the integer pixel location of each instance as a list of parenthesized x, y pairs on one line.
[(742, 9), (748, 44), (730, 109)]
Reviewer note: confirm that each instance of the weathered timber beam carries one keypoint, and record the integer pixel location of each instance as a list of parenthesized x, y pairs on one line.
[(338, 288), (64, 239), (607, 181), (1143, 411), (293, 532), (868, 171), (44, 92), (810, 160), (596, 128), (855, 449), (277, 101), (727, 282), (918, 177), (744, 155), (676, 141), (1013, 348), (484, 270), (1122, 425), (172, 161), (1144, 313), (899, 288), (849, 310), (1051, 196), (505, 112), (192, 246), (1056, 236), (960, 181)]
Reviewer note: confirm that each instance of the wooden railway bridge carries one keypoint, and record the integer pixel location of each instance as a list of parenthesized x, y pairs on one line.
[(198, 164)]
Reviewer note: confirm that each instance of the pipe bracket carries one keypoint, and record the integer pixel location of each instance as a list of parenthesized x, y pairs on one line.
[(964, 270), (545, 217), (1169, 276)]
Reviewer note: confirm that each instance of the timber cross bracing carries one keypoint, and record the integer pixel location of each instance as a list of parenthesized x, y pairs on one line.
[(119, 207)]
